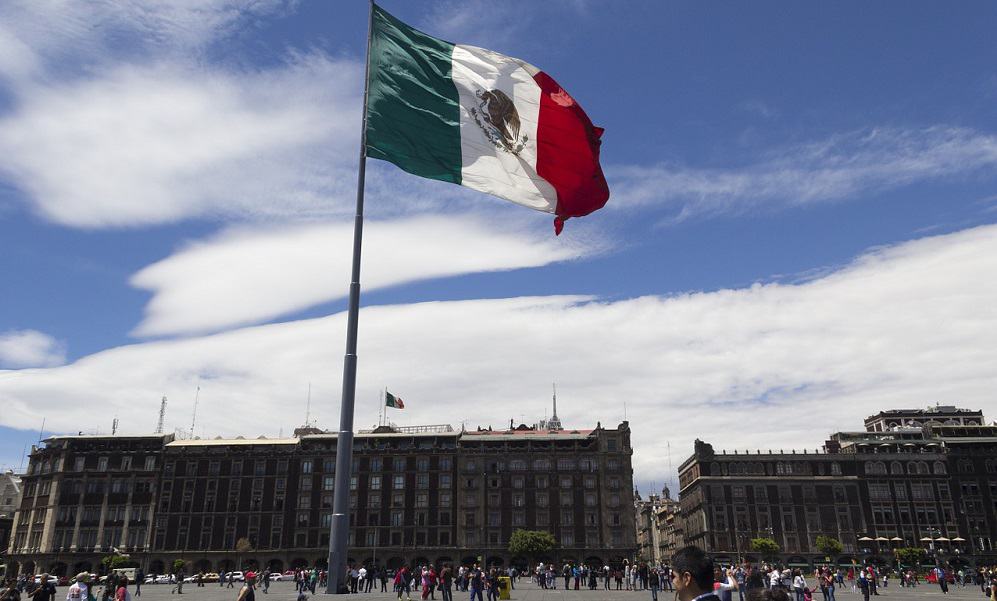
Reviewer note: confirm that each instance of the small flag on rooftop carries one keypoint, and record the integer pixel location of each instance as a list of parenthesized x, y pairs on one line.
[(480, 119), (391, 400)]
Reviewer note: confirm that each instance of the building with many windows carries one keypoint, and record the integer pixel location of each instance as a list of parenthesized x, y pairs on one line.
[(912, 478), (417, 494)]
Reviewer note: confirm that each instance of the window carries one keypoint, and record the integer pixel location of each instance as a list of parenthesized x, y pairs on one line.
[(444, 518), (102, 464), (375, 482), (612, 465), (306, 483), (375, 464), (397, 499), (541, 482), (541, 465), (835, 468), (494, 518), (446, 481), (566, 464), (614, 483), (422, 464), (306, 466), (374, 501), (588, 481), (329, 465), (353, 482), (517, 465), (565, 481), (611, 444), (446, 463), (150, 463), (566, 499), (327, 500), (398, 482), (422, 481), (445, 499), (590, 500), (398, 463), (79, 462), (567, 539), (422, 499), (518, 500)]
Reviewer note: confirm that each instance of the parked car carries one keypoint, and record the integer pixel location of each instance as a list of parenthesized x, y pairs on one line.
[(235, 577), (163, 579), (211, 577), (276, 577), (289, 573)]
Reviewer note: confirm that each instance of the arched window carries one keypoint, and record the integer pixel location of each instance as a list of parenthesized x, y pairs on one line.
[(939, 467), (912, 467), (922, 467), (780, 468), (835, 468), (896, 468)]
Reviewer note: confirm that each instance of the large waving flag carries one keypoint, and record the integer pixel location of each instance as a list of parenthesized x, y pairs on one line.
[(480, 119)]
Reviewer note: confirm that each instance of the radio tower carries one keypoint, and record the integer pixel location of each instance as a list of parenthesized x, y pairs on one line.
[(162, 415)]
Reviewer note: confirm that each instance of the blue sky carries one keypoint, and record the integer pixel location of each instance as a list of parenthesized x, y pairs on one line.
[(801, 227)]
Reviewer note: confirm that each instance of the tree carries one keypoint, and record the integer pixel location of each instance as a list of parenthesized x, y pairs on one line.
[(531, 543), (767, 547), (828, 545), (178, 565), (243, 546), (911, 556)]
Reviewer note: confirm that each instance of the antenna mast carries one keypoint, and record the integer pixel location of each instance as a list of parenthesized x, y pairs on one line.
[(162, 415), (114, 426), (193, 418), (308, 406)]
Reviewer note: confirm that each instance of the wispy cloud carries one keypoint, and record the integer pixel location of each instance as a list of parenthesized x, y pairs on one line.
[(247, 276), (30, 348), (158, 144), (52, 35), (839, 168), (901, 326)]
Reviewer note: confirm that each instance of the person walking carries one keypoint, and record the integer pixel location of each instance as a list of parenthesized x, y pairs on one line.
[(654, 580), (178, 586), (139, 579), (122, 593), (80, 589), (446, 582), (402, 583), (248, 592), (45, 591), (942, 580)]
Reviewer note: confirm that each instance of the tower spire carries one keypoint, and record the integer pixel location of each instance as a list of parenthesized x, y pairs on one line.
[(554, 423)]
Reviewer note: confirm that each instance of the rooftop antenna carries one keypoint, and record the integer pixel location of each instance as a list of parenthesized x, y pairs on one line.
[(193, 418), (669, 460), (114, 426), (162, 415), (42, 430), (24, 451)]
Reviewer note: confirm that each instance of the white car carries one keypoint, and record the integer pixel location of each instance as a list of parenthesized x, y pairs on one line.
[(163, 579), (235, 577), (276, 577)]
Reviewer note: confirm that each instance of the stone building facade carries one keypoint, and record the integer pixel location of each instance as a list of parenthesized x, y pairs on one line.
[(932, 483), (417, 494)]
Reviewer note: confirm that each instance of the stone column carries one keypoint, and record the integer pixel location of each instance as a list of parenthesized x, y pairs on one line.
[(48, 531), (79, 516)]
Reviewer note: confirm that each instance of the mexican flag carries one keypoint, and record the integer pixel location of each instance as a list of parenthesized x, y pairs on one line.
[(480, 119), (391, 400)]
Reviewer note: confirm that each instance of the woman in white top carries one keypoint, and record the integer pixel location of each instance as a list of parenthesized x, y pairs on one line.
[(799, 584)]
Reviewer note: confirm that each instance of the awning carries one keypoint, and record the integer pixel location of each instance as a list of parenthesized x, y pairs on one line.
[(958, 539), (882, 539), (897, 539), (942, 538), (926, 539), (865, 538)]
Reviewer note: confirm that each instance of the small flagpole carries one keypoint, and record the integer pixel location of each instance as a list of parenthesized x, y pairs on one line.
[(340, 527)]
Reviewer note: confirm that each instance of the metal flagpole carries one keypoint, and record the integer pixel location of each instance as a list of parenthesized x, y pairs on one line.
[(340, 528)]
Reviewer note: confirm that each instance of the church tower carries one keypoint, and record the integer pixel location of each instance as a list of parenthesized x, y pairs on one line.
[(554, 423)]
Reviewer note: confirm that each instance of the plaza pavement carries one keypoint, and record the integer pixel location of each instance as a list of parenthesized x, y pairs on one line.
[(525, 591)]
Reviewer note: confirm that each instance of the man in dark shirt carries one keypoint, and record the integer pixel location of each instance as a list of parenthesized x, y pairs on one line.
[(44, 591)]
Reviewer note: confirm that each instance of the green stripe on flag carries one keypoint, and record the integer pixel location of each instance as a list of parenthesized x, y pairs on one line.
[(413, 110)]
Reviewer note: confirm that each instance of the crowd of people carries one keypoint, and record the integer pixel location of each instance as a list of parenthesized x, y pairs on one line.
[(691, 572)]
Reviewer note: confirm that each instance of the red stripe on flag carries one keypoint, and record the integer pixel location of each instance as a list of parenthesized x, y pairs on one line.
[(568, 153)]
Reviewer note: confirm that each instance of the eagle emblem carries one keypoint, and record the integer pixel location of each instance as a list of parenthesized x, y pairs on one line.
[(498, 118)]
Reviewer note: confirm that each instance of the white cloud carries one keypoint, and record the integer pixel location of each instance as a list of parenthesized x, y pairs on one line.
[(842, 167), (769, 366), (162, 143), (30, 348), (51, 35), (246, 276)]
